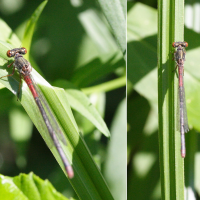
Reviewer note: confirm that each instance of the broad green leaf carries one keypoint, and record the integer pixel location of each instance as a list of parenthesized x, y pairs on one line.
[(144, 27), (97, 31), (80, 102), (8, 35), (26, 187), (141, 36)]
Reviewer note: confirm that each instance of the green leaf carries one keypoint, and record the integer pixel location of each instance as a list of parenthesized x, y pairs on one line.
[(8, 35), (143, 155), (98, 31), (88, 181), (144, 77), (26, 187), (96, 69), (30, 27), (116, 177), (172, 165), (141, 35), (79, 102), (115, 14), (87, 176), (106, 87)]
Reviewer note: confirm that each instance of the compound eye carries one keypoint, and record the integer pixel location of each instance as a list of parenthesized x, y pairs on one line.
[(24, 50), (10, 53), (186, 44), (174, 44)]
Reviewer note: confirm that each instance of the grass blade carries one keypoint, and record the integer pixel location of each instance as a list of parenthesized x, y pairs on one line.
[(114, 12), (30, 27), (171, 163)]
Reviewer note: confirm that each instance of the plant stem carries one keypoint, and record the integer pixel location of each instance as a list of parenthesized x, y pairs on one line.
[(170, 29), (105, 87)]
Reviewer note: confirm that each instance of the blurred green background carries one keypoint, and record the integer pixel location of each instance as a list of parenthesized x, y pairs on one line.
[(143, 177), (68, 35)]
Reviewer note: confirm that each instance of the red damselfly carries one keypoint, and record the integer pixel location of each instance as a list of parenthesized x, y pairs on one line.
[(179, 56), (24, 68)]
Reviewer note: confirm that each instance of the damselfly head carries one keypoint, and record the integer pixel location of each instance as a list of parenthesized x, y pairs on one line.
[(12, 52), (181, 44)]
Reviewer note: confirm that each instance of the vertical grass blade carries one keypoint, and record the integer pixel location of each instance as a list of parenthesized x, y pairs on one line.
[(170, 29)]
